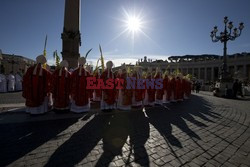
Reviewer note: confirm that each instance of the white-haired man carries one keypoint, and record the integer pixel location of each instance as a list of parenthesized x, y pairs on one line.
[(37, 87), (61, 88), (108, 101), (79, 92)]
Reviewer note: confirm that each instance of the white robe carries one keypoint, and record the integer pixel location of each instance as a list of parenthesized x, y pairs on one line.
[(3, 83), (18, 82), (172, 97), (79, 109), (120, 106), (11, 83), (146, 102), (40, 109), (134, 102), (157, 101), (165, 97), (95, 98), (104, 105)]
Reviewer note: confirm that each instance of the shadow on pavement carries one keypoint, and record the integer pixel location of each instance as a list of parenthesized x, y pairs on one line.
[(18, 139), (176, 114), (106, 136), (80, 144), (112, 131)]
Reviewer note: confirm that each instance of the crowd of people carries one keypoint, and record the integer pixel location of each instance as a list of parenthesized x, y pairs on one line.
[(67, 91), (237, 88), (11, 82), (196, 86)]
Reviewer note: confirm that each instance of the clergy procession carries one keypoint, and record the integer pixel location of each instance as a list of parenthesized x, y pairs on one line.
[(10, 83), (69, 90)]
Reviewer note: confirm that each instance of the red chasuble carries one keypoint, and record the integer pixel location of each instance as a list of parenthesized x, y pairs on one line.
[(98, 92), (61, 88), (79, 92), (108, 94), (151, 92), (159, 92), (167, 87), (36, 85), (173, 88), (179, 89), (139, 93), (126, 93), (91, 91)]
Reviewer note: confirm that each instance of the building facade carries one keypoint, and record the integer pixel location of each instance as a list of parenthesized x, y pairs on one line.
[(14, 63), (203, 67)]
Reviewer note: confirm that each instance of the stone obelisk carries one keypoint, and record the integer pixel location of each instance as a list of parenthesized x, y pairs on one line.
[(71, 36)]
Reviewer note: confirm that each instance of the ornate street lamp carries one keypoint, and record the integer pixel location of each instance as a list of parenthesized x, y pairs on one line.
[(227, 35)]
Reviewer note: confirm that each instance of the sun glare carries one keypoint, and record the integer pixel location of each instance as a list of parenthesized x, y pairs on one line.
[(134, 24)]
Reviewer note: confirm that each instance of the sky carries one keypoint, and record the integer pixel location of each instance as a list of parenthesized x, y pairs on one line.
[(168, 27)]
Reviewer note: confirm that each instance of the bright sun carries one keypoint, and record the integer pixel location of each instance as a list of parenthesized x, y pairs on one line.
[(134, 24)]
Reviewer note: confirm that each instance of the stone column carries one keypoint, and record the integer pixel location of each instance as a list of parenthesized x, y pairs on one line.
[(71, 37)]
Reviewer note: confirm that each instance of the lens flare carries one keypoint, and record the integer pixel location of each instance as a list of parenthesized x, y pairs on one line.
[(134, 24)]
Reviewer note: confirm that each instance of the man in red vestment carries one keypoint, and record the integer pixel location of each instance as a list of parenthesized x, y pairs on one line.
[(167, 88), (108, 95), (61, 88), (97, 92), (159, 92), (89, 69), (37, 87), (179, 88), (79, 93), (150, 92), (173, 88), (124, 100), (138, 93)]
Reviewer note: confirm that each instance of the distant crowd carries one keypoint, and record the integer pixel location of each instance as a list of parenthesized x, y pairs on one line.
[(11, 82)]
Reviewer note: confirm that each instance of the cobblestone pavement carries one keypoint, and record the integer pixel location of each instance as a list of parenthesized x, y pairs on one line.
[(202, 131), (11, 98)]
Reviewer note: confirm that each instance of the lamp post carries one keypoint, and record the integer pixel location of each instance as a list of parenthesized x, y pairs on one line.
[(224, 37)]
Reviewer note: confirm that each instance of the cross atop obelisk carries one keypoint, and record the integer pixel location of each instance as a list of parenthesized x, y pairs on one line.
[(71, 36)]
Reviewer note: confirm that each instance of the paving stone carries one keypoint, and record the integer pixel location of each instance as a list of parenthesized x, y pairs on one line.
[(175, 163), (159, 162), (119, 162), (168, 158)]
